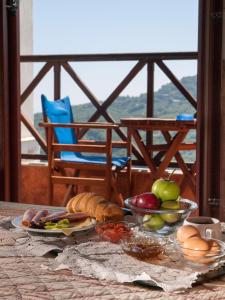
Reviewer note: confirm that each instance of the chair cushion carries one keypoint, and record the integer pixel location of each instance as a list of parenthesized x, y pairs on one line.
[(59, 111), (119, 162)]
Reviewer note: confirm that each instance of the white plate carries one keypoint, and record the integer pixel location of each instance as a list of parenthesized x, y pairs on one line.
[(17, 222)]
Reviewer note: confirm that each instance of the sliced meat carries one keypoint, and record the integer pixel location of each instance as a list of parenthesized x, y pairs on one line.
[(76, 217), (72, 217), (54, 217), (28, 216), (36, 221)]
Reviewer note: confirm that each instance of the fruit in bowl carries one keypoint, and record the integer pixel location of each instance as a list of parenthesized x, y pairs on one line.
[(161, 221), (161, 210), (153, 221), (146, 200), (170, 205), (166, 189)]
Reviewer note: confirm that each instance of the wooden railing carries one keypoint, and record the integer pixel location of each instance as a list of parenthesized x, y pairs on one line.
[(57, 62)]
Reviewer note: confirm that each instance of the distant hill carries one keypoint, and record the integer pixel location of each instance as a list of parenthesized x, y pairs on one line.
[(168, 103)]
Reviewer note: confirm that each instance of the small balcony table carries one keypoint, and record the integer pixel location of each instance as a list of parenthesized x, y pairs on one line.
[(174, 143), (27, 278)]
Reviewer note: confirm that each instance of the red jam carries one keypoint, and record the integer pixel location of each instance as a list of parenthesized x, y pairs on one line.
[(113, 232)]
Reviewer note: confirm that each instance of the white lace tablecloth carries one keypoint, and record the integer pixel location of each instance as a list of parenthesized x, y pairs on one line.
[(16, 242), (107, 261), (86, 256)]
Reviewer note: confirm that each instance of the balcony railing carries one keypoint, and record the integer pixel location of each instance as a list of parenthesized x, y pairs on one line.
[(58, 62)]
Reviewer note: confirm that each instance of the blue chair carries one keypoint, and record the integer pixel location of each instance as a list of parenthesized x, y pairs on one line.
[(66, 151)]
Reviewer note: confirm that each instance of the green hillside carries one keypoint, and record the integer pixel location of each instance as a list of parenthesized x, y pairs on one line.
[(168, 103)]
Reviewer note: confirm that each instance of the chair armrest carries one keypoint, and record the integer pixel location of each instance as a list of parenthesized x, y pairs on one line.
[(80, 125)]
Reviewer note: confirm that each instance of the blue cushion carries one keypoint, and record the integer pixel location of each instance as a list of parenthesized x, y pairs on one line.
[(73, 157), (185, 117), (59, 111)]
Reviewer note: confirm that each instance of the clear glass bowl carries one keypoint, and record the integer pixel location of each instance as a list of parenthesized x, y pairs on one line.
[(161, 221), (201, 257), (143, 247), (114, 231)]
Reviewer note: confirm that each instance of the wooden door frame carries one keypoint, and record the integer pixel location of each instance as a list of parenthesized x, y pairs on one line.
[(209, 138), (209, 132), (4, 122), (10, 147)]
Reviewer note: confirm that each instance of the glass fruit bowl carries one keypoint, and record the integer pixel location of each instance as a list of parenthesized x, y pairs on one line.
[(199, 257), (161, 221)]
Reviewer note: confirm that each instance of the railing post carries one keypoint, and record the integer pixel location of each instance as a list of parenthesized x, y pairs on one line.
[(150, 98), (57, 81)]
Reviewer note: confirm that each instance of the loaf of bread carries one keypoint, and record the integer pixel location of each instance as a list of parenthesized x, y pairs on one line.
[(95, 206)]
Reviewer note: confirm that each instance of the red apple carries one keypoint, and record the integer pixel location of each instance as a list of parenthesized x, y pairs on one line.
[(134, 201), (148, 200)]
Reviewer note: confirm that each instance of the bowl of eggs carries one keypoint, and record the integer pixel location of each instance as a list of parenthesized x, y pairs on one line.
[(196, 249)]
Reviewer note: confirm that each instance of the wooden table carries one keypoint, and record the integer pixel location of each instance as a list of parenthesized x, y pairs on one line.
[(158, 157), (28, 278)]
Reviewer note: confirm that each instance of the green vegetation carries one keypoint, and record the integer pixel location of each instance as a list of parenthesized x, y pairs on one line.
[(168, 103)]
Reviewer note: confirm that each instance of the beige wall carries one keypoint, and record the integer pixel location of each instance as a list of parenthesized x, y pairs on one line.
[(26, 47)]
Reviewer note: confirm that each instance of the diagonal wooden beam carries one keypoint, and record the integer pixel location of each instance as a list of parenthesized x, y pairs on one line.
[(177, 83), (187, 174), (138, 139), (123, 84), (97, 104), (192, 178), (178, 138), (93, 100), (35, 81), (34, 132), (83, 87)]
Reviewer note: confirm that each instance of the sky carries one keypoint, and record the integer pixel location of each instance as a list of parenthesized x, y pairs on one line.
[(112, 26)]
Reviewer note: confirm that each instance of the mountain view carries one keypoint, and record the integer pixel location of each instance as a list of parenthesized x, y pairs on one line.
[(168, 103)]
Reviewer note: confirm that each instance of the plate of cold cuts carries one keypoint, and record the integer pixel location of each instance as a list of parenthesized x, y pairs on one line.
[(49, 221)]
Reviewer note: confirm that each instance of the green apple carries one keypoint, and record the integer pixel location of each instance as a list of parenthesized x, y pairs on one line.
[(170, 204), (166, 189), (153, 222), (170, 218), (173, 205)]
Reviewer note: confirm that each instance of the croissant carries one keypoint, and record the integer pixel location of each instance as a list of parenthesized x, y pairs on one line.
[(95, 206)]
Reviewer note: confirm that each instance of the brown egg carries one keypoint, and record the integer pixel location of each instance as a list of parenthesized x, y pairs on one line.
[(214, 247), (195, 246), (186, 232), (200, 259)]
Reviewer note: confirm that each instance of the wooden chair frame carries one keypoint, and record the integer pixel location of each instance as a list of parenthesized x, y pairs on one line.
[(109, 179)]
